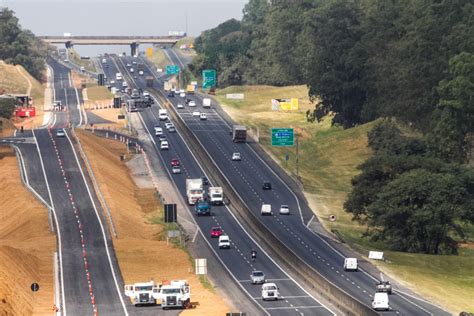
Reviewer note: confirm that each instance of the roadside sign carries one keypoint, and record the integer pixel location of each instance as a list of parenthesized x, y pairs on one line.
[(172, 69), (149, 51), (201, 266), (208, 78), (283, 137)]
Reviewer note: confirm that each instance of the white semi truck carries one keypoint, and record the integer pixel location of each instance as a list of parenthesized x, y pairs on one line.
[(194, 190), (175, 294), (146, 293), (216, 195)]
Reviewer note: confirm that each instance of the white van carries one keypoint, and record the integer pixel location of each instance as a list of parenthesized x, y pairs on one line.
[(266, 209), (350, 264), (380, 302), (162, 114)]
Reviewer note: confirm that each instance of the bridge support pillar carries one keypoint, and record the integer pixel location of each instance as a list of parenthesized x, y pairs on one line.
[(69, 44), (134, 48)]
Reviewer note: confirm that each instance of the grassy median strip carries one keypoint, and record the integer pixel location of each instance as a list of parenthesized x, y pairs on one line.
[(141, 247), (328, 160)]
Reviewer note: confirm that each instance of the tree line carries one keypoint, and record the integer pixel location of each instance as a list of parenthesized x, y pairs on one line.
[(20, 46), (410, 62)]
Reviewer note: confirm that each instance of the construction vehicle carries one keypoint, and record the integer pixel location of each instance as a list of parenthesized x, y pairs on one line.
[(190, 89), (175, 293), (239, 134), (216, 195), (194, 190), (146, 293)]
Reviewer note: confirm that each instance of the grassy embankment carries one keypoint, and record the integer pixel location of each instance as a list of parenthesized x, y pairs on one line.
[(75, 57), (141, 248), (16, 80), (26, 245), (329, 156), (159, 58)]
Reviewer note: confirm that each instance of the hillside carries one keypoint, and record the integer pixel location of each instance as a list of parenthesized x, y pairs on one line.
[(16, 80)]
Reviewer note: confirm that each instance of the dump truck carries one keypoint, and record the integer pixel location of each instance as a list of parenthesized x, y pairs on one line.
[(239, 134), (176, 293), (146, 293), (216, 195), (194, 190)]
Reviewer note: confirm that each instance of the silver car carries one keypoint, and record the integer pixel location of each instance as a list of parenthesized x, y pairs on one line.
[(257, 277)]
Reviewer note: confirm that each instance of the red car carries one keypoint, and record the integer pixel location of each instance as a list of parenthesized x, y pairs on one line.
[(175, 162), (216, 232)]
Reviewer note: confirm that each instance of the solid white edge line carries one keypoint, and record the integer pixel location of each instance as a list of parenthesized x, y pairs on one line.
[(63, 309), (79, 107), (100, 223)]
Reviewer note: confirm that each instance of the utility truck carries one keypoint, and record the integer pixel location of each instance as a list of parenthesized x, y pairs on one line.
[(239, 134), (194, 190), (216, 195), (146, 293)]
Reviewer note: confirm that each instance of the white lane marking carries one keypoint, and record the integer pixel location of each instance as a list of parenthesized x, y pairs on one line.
[(64, 311), (79, 108), (101, 226), (293, 307)]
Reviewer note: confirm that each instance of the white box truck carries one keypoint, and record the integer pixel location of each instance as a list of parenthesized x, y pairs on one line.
[(194, 190), (206, 103), (216, 195), (162, 114), (176, 293), (350, 264)]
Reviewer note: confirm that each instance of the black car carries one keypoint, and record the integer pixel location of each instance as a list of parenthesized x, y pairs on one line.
[(267, 186), (171, 94), (205, 181)]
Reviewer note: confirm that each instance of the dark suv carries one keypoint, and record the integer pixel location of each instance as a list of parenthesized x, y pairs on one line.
[(267, 186)]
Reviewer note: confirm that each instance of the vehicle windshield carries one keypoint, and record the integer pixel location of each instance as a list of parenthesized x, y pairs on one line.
[(257, 273), (216, 195), (269, 287), (144, 288), (170, 291)]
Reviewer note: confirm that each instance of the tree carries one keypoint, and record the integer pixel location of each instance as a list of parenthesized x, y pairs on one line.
[(7, 105)]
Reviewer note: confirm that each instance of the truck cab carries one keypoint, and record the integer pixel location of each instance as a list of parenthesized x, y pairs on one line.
[(146, 293), (175, 294), (202, 207)]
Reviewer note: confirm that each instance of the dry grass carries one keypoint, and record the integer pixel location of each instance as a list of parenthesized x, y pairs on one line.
[(76, 59), (26, 245), (99, 93), (141, 253), (159, 58), (329, 157), (14, 82)]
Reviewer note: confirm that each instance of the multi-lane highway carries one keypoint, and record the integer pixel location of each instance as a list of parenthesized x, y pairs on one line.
[(237, 259), (247, 177)]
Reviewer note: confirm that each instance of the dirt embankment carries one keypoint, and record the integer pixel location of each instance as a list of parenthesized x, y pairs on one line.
[(141, 251), (26, 245)]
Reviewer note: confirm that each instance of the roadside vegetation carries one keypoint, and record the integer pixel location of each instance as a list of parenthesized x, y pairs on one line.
[(75, 58), (159, 58), (328, 161), (141, 247), (19, 46)]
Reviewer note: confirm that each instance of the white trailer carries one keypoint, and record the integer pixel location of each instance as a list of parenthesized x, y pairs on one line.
[(216, 195), (194, 190)]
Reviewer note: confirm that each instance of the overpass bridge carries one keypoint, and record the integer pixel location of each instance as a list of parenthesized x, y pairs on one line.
[(133, 41)]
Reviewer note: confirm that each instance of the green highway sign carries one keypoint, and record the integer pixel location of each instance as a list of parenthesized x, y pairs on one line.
[(283, 137), (172, 69), (208, 78)]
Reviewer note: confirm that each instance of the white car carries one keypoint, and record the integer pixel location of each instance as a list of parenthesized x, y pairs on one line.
[(257, 277), (270, 291), (203, 116), (146, 93), (266, 209), (192, 103), (158, 131), (196, 114), (132, 70), (164, 145), (182, 95), (182, 91), (168, 125), (140, 72), (128, 65), (236, 157), (124, 84), (60, 133), (284, 210), (224, 241), (176, 169), (112, 81), (180, 106)]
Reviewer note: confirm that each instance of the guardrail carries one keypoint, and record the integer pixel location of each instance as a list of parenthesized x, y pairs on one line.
[(312, 278)]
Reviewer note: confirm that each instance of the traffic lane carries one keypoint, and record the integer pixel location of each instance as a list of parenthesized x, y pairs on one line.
[(242, 246), (105, 292), (75, 282), (363, 291), (75, 116)]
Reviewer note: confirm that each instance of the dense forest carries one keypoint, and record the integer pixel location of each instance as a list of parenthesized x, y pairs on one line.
[(19, 46), (405, 62)]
